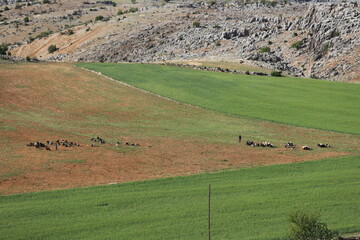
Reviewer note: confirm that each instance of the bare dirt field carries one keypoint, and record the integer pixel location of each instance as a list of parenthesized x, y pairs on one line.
[(41, 102)]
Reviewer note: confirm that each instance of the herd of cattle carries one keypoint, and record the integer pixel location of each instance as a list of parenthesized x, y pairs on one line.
[(57, 143), (66, 143), (286, 145)]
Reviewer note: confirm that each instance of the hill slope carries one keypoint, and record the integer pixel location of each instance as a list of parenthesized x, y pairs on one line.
[(49, 102), (319, 40)]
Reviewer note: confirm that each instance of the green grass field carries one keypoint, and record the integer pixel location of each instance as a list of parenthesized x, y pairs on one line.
[(301, 102), (246, 204)]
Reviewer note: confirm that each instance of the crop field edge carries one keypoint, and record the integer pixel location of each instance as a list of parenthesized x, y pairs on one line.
[(207, 108)]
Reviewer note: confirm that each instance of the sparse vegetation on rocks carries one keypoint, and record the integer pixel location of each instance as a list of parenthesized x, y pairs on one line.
[(196, 24), (264, 49), (297, 44)]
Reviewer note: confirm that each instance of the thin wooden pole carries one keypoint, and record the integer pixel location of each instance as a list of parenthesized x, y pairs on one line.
[(209, 222)]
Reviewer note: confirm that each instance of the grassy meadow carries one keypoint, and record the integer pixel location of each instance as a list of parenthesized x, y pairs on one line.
[(246, 204), (301, 102)]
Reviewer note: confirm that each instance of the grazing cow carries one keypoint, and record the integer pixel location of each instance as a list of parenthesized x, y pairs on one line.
[(56, 146), (323, 145), (249, 142), (306, 147), (290, 145), (30, 144), (48, 148), (117, 144), (267, 144)]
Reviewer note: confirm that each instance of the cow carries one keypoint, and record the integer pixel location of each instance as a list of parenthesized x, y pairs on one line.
[(323, 145), (306, 147), (290, 145)]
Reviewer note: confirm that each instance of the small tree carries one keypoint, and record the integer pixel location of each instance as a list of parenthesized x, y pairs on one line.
[(120, 12), (28, 59), (196, 24), (26, 19), (276, 73), (99, 18), (52, 48), (3, 48), (6, 8), (307, 226)]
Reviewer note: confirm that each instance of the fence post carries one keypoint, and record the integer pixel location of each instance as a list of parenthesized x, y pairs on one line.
[(209, 222)]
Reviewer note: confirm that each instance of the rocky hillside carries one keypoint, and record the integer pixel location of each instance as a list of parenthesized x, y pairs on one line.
[(319, 40)]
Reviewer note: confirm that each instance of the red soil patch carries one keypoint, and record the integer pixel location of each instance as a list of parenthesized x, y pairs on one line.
[(154, 158)]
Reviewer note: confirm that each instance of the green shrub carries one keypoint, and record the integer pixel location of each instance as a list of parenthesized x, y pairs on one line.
[(297, 44), (6, 8), (28, 58), (70, 32), (325, 47), (52, 48), (120, 12), (264, 49), (26, 19), (276, 73), (18, 6), (211, 2), (132, 10), (45, 1), (307, 226), (99, 18), (196, 24), (335, 34), (3, 48), (44, 34), (133, 1)]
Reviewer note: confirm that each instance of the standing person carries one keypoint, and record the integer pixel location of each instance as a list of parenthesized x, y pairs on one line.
[(239, 138)]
